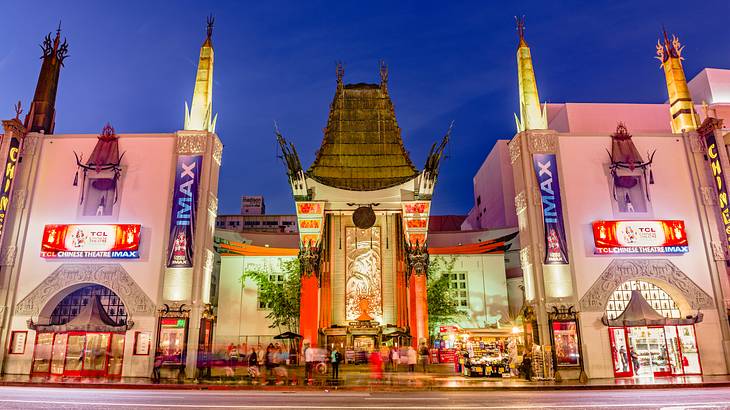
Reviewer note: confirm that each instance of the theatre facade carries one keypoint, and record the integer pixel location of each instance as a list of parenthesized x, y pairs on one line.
[(107, 240)]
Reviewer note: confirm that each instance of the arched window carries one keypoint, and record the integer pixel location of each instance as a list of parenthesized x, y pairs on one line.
[(71, 305), (657, 298)]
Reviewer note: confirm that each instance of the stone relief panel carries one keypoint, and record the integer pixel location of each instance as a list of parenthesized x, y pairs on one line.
[(191, 143), (696, 145), (525, 256), (217, 151), (212, 204), (113, 276), (709, 198), (8, 258), (718, 250), (514, 149), (542, 142), (18, 201), (620, 271), (520, 201)]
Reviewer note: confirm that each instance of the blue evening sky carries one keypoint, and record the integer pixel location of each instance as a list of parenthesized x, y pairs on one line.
[(133, 63)]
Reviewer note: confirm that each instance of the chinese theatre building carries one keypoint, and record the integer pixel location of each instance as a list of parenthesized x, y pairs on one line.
[(362, 210), (107, 239), (620, 229)]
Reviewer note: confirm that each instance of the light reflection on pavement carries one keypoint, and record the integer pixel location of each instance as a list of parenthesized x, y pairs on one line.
[(70, 398)]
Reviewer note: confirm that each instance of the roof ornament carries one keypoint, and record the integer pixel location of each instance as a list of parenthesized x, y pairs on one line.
[(104, 159), (521, 29), (383, 72), (288, 154), (210, 20), (437, 153), (669, 49), (340, 71), (18, 110), (624, 162)]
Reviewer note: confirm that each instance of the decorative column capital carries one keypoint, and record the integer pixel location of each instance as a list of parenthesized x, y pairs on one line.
[(309, 259)]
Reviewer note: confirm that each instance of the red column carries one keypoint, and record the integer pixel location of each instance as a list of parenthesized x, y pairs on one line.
[(309, 308), (418, 308)]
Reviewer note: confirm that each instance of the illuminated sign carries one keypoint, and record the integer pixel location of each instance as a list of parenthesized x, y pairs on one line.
[(310, 216), (716, 168), (7, 182), (448, 329), (415, 221), (546, 171), (91, 241), (639, 237), (184, 209)]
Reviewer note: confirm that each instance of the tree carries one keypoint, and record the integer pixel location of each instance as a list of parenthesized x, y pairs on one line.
[(442, 307), (281, 298)]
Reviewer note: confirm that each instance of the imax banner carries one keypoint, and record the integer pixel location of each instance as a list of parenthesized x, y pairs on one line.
[(546, 171), (184, 205)]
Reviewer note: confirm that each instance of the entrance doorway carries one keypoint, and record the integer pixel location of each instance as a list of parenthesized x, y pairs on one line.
[(648, 336), (85, 336)]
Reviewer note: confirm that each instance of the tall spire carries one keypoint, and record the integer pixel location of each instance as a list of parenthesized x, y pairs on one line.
[(199, 116), (532, 116), (42, 114), (681, 107)]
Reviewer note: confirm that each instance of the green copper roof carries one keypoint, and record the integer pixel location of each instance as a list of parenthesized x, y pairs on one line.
[(362, 149)]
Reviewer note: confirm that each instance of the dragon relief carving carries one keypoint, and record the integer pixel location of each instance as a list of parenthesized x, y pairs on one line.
[(113, 276), (309, 258), (622, 270), (417, 258)]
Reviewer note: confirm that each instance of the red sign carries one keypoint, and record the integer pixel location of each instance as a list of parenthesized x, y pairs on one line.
[(640, 237), (448, 329), (91, 241)]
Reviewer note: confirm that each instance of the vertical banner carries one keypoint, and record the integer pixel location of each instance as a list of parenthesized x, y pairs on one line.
[(7, 181), (717, 174), (546, 171), (184, 206)]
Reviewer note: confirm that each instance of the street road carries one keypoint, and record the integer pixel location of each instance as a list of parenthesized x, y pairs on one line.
[(68, 398)]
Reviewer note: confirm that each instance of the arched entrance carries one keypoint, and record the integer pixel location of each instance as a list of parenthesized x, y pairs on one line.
[(648, 335), (84, 336)]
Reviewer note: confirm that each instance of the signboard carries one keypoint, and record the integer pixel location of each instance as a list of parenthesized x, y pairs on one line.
[(115, 241), (7, 181), (640, 237), (17, 341), (310, 217), (546, 171), (716, 168), (184, 208), (448, 329), (415, 221)]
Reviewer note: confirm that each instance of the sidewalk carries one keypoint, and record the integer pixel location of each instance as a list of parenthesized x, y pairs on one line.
[(439, 378)]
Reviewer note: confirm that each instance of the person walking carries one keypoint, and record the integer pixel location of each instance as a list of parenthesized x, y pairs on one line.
[(308, 362), (335, 358), (423, 352), (394, 358), (157, 365), (412, 359)]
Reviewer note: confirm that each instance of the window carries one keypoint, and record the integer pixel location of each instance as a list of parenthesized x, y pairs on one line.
[(654, 295), (71, 305), (277, 279), (459, 289)]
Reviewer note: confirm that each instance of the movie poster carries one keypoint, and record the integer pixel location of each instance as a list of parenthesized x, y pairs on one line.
[(184, 206), (546, 171)]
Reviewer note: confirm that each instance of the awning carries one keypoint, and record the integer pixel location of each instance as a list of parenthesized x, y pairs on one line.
[(638, 312)]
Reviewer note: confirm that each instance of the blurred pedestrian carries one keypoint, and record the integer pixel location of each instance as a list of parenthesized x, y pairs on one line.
[(394, 358), (376, 365), (423, 351), (335, 358), (157, 365), (253, 365), (308, 362), (412, 358)]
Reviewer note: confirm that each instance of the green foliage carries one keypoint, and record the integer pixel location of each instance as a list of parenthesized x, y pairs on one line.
[(442, 308), (282, 298)]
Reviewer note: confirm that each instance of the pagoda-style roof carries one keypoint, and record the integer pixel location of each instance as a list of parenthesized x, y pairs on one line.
[(639, 312), (362, 149), (91, 318)]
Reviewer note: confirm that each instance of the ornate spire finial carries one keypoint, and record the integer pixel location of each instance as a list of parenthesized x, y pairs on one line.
[(210, 20), (521, 28), (18, 110), (383, 72), (340, 70)]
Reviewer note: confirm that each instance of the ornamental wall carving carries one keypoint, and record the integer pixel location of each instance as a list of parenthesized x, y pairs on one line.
[(113, 276), (29, 144), (696, 145), (709, 197), (525, 256), (514, 149), (212, 203), (542, 142), (217, 151), (620, 271), (520, 202), (718, 250), (18, 201), (191, 143), (8, 258)]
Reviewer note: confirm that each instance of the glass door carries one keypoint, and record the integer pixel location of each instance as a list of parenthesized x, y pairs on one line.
[(58, 355), (675, 356), (42, 353), (95, 354), (620, 352), (116, 355), (74, 354), (658, 347), (690, 353)]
